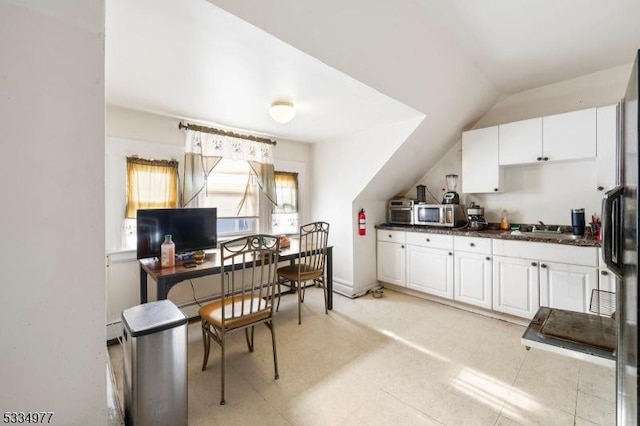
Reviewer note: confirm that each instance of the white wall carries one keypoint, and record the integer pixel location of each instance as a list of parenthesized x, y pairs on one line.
[(405, 52), (52, 308), (155, 136), (342, 168), (545, 192), (399, 48)]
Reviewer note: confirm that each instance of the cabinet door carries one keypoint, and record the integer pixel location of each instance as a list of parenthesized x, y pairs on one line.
[(472, 279), (569, 136), (430, 270), (606, 133), (516, 288), (391, 263), (520, 142), (480, 170), (607, 280), (567, 286)]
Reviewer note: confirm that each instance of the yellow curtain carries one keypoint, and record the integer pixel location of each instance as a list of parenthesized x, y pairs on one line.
[(286, 188), (151, 184)]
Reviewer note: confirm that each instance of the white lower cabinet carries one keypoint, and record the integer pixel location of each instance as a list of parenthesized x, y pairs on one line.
[(430, 263), (516, 288), (607, 280), (567, 287), (502, 275), (472, 271), (472, 279), (391, 257), (430, 270), (528, 282)]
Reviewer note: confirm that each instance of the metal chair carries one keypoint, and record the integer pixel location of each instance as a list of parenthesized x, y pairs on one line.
[(248, 280), (310, 264)]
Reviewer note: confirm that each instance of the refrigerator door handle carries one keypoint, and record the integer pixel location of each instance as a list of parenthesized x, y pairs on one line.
[(611, 230)]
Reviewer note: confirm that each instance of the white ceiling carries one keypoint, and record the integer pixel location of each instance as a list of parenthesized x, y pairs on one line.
[(190, 59), (522, 44)]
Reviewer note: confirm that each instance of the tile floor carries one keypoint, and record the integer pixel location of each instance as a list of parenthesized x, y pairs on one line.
[(397, 360)]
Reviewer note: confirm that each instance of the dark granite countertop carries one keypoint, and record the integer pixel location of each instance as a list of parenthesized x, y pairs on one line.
[(492, 232)]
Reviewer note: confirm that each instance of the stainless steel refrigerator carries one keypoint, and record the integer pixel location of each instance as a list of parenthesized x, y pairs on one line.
[(620, 252)]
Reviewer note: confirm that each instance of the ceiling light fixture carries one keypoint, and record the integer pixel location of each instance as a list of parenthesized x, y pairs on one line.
[(282, 111)]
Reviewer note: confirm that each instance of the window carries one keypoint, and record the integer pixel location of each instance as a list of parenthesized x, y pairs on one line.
[(232, 188), (285, 213), (151, 184)]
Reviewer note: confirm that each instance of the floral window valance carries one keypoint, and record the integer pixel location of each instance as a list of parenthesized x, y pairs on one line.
[(211, 145), (204, 150)]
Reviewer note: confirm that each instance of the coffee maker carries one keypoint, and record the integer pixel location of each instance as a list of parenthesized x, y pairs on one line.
[(475, 216), (451, 196)]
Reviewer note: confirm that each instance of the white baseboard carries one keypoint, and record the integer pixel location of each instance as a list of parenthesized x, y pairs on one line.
[(114, 330), (346, 288), (459, 305)]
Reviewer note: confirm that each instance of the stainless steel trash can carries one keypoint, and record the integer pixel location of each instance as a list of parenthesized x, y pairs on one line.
[(155, 364)]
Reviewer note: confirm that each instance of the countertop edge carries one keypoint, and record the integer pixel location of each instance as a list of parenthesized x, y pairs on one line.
[(493, 233)]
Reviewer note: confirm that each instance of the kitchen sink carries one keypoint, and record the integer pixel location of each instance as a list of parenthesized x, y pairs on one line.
[(550, 234)]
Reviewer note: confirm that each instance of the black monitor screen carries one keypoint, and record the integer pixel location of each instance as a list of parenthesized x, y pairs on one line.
[(190, 230)]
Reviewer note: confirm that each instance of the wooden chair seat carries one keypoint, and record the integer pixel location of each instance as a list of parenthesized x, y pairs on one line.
[(239, 311), (298, 271)]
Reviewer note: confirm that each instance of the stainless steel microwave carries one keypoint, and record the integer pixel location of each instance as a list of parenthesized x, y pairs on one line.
[(400, 212), (450, 215)]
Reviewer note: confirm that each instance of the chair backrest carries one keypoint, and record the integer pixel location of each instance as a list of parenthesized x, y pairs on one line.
[(249, 274), (313, 239)]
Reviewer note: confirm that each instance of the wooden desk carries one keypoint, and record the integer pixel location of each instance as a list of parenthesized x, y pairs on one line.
[(166, 278)]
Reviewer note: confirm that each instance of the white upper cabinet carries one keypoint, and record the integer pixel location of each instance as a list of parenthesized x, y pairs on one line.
[(606, 129), (480, 169), (520, 142), (569, 136)]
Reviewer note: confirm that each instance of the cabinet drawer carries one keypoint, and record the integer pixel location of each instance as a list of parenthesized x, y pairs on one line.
[(391, 236), (430, 240), (561, 253), (472, 244)]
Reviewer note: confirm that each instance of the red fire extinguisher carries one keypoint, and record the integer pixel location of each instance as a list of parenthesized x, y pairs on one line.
[(362, 226)]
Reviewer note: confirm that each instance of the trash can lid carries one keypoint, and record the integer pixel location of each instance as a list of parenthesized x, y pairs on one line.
[(152, 317)]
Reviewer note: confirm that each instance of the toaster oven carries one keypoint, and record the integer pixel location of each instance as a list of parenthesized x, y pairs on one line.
[(400, 212)]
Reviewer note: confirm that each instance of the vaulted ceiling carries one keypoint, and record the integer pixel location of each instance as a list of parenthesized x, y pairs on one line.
[(193, 59)]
